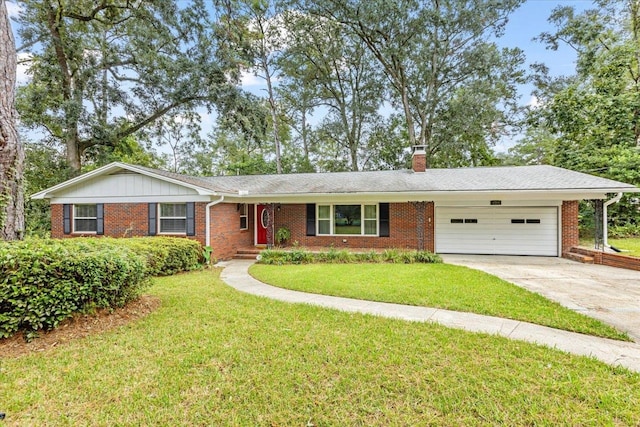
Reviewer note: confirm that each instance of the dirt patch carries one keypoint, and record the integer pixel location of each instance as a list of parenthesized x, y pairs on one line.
[(79, 326)]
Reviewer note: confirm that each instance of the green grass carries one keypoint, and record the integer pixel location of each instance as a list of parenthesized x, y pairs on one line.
[(214, 356), (630, 245), (432, 285)]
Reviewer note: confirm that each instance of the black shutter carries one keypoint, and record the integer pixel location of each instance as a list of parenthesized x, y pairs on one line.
[(153, 222), (311, 219), (100, 219), (66, 219), (384, 219), (191, 219)]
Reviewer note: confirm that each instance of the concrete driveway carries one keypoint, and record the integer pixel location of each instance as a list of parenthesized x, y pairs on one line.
[(609, 294)]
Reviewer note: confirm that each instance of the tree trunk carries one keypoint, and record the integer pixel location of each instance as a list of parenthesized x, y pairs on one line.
[(11, 151)]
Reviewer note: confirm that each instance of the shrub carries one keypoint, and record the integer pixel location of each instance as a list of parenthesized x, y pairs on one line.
[(283, 235), (43, 282), (301, 256), (624, 231), (167, 255)]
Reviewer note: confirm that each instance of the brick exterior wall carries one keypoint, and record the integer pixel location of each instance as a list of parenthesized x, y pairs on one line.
[(570, 226), (57, 231), (131, 219), (403, 220), (226, 235)]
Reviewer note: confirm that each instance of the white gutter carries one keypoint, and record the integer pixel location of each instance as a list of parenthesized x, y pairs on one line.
[(605, 237), (208, 221)]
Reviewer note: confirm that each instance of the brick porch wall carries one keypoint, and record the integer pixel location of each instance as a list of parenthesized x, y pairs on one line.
[(610, 259), (226, 235), (402, 225), (570, 226)]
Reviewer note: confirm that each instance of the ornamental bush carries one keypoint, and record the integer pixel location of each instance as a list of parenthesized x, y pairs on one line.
[(43, 282), (343, 256)]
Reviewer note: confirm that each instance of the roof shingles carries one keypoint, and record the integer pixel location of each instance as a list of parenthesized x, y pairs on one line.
[(482, 179)]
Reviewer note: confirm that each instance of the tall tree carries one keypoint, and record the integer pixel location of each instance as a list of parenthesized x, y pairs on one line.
[(327, 56), (590, 121), (440, 64), (104, 70), (266, 32), (11, 151)]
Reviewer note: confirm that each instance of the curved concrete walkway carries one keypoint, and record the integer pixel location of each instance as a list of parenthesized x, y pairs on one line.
[(613, 352)]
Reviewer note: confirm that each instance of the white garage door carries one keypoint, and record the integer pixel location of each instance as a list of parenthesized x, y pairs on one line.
[(497, 230)]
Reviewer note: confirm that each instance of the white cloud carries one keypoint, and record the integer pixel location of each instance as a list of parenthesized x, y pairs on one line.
[(22, 76), (13, 9), (249, 79), (534, 102)]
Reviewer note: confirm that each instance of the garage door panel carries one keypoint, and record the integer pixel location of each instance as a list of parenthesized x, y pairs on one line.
[(498, 230)]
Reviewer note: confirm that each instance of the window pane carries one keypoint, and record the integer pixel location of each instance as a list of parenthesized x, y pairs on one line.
[(370, 212), (86, 225), (173, 210), (346, 219), (324, 212), (324, 226), (243, 222), (173, 225), (86, 211), (370, 226)]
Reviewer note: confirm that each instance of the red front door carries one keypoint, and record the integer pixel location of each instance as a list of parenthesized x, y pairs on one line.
[(262, 224)]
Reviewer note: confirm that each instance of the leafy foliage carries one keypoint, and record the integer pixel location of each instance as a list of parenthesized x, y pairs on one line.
[(454, 87), (102, 72), (43, 282), (590, 122), (343, 256)]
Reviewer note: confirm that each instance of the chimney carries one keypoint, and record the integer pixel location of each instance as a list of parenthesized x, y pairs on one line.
[(419, 158)]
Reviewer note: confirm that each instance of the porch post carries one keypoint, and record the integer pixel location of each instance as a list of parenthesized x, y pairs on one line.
[(420, 214), (270, 223)]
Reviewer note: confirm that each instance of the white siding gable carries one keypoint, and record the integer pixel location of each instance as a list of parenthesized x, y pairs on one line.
[(126, 187)]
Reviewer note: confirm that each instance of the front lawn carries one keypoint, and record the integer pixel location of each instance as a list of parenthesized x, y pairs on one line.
[(214, 356), (432, 285)]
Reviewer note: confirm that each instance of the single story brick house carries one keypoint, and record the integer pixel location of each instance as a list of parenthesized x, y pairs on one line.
[(523, 210)]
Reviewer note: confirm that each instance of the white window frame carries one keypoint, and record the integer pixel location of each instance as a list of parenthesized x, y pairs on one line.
[(75, 217), (362, 219), (160, 218), (244, 210)]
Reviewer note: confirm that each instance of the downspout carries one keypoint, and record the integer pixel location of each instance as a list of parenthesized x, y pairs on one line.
[(605, 233), (208, 219)]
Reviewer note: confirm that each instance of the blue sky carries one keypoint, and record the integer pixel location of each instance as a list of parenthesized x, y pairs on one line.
[(531, 20), (524, 24)]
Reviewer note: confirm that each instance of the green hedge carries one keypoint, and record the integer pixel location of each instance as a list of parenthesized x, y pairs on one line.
[(43, 282), (163, 255), (302, 256)]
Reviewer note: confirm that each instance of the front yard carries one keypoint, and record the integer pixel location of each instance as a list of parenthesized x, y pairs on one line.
[(629, 245), (213, 356), (432, 285)]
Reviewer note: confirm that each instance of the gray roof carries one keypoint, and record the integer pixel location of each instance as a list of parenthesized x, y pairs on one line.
[(482, 179)]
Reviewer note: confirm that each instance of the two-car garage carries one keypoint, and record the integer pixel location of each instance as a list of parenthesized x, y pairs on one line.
[(497, 230)]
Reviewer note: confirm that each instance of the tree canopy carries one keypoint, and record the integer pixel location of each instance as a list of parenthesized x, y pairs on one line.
[(101, 71)]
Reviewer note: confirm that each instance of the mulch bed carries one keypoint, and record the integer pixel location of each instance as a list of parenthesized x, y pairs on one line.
[(79, 326)]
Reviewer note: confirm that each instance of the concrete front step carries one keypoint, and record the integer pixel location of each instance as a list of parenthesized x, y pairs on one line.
[(245, 256), (585, 259)]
